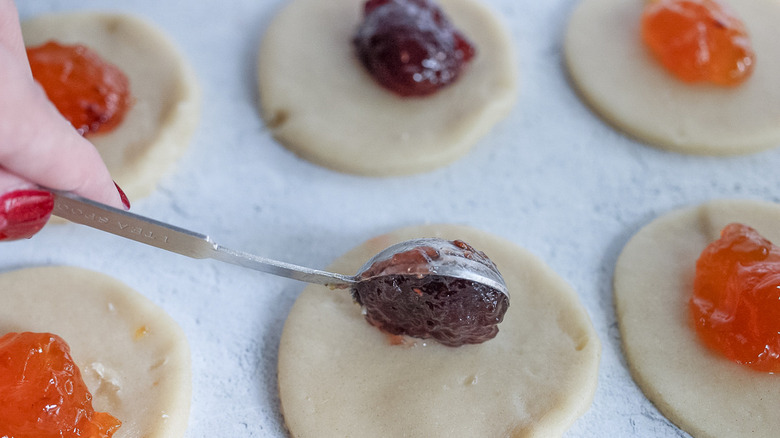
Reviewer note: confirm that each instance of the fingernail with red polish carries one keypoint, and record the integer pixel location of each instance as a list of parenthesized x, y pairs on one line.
[(125, 201), (23, 213)]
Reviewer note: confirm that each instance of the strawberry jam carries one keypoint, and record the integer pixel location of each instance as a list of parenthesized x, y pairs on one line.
[(91, 94), (736, 300), (402, 296), (42, 394), (698, 41), (410, 47)]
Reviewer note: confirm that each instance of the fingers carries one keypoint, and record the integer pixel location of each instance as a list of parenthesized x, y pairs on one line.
[(39, 145)]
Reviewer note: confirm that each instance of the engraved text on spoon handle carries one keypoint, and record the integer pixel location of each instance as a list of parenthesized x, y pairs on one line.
[(179, 240)]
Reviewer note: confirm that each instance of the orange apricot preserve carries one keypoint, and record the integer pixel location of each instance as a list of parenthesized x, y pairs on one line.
[(698, 41), (42, 394), (736, 298), (91, 94)]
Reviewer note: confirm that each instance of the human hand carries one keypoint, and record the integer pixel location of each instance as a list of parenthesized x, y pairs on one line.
[(38, 147)]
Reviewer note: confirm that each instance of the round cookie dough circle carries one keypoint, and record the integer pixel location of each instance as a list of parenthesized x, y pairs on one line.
[(158, 128), (703, 393), (339, 376), (322, 104), (617, 76), (133, 357)]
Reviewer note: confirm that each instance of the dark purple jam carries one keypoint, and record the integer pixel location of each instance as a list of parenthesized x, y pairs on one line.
[(410, 47), (408, 300)]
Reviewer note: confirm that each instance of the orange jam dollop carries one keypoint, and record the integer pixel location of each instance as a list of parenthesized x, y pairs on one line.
[(698, 41), (92, 94), (42, 394), (736, 298)]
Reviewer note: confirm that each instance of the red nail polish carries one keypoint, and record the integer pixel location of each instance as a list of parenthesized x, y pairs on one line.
[(122, 196), (23, 213)]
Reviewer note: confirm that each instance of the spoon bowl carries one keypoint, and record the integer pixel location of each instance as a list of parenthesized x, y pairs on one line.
[(440, 257), (433, 288)]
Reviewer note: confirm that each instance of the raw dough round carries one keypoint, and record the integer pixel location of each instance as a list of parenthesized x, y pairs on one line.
[(339, 376), (157, 129), (703, 393), (618, 77), (134, 358), (322, 104)]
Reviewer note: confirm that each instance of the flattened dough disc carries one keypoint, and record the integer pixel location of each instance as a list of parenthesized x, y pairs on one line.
[(704, 394), (323, 105), (616, 75), (339, 376), (133, 356), (157, 129)]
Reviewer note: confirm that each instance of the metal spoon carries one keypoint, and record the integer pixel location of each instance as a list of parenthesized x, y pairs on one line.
[(168, 237)]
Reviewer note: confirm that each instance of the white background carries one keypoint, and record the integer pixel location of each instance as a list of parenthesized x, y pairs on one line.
[(552, 177)]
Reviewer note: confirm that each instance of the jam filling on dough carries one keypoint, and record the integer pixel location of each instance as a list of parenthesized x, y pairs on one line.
[(92, 94), (410, 47), (736, 300), (42, 394), (698, 41)]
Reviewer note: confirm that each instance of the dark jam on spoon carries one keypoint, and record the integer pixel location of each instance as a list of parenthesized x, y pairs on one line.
[(402, 296), (410, 47)]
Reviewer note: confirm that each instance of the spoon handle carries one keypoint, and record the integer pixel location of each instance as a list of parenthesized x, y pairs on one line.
[(171, 238)]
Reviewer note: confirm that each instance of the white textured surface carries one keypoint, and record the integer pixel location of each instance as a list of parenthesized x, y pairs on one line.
[(552, 178)]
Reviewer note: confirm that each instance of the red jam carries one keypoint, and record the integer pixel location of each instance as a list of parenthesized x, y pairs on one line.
[(698, 41), (42, 394), (410, 47), (736, 300), (401, 296), (92, 94)]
